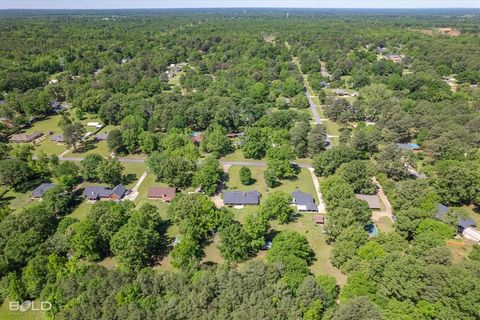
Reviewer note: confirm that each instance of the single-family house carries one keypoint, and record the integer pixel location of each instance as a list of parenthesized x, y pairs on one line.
[(58, 138), (442, 211), (465, 223), (372, 200), (40, 191), (304, 201), (25, 138), (165, 194), (95, 193), (241, 198)]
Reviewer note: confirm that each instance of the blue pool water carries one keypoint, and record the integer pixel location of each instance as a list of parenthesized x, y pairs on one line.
[(372, 230)]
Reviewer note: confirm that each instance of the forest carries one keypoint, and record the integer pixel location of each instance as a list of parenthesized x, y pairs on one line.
[(371, 102)]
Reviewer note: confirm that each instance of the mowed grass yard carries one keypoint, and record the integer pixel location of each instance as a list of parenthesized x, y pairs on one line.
[(303, 224), (303, 182), (46, 145), (7, 314)]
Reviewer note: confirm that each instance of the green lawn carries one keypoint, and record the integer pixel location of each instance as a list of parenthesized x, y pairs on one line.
[(81, 211), (50, 123), (237, 156), (303, 182), (316, 239), (17, 200), (385, 224), (7, 314), (175, 81), (133, 171)]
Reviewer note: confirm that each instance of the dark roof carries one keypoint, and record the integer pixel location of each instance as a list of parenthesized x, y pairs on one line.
[(96, 192), (119, 190), (465, 223), (58, 137), (442, 211), (42, 189), (304, 199), (241, 197)]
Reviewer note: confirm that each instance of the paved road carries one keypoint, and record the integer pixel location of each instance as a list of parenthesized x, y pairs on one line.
[(317, 118)]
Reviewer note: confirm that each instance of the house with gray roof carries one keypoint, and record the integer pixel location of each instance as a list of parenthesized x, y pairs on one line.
[(240, 198), (372, 200), (40, 191), (95, 193), (466, 223), (304, 201)]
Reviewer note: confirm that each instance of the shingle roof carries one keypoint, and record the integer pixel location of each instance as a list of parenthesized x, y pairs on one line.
[(96, 192), (42, 189), (442, 211), (372, 200), (58, 137), (465, 223), (241, 197), (119, 190), (22, 137), (161, 192), (304, 199)]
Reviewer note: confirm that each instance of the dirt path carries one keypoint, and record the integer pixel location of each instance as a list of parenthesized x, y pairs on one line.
[(388, 212), (321, 204)]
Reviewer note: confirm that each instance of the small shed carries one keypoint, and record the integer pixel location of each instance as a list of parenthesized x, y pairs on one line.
[(58, 138), (319, 219), (101, 137)]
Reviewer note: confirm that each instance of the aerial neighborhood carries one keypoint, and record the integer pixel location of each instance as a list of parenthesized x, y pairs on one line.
[(233, 164)]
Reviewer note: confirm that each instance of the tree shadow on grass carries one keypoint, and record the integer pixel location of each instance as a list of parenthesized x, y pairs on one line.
[(86, 146), (129, 178)]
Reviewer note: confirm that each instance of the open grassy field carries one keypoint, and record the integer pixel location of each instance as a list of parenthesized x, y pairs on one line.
[(17, 200), (7, 314)]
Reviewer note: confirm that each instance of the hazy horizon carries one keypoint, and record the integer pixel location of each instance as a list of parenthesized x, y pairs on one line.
[(184, 4)]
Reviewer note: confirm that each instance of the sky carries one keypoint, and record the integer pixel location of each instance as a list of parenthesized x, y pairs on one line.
[(116, 4)]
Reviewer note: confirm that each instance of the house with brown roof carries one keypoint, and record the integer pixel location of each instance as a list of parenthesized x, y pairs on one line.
[(164, 194), (372, 200), (25, 138)]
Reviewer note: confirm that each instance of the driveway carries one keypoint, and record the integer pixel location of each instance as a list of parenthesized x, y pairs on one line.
[(388, 212)]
